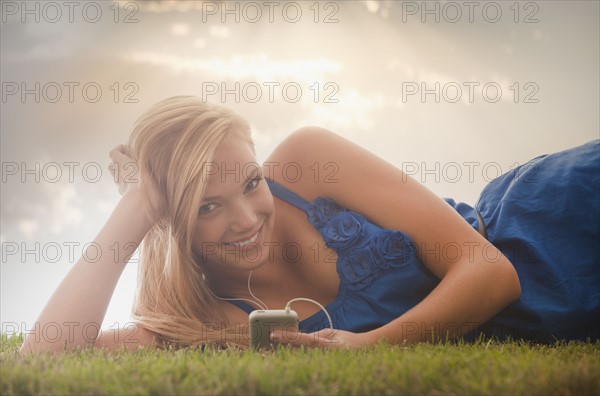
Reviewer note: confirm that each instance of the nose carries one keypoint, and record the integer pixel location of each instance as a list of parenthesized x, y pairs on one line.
[(244, 217)]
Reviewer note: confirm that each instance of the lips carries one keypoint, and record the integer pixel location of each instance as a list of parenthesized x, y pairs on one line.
[(248, 241)]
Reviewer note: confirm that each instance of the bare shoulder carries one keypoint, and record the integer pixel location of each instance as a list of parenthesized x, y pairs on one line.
[(305, 144), (130, 336), (308, 158), (315, 161)]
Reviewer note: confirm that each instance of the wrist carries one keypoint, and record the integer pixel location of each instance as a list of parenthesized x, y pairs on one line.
[(382, 334), (371, 337), (135, 207)]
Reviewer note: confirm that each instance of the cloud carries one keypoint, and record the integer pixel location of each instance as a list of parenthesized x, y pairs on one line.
[(354, 110), (256, 66), (160, 6), (219, 31), (28, 227), (63, 208), (180, 29), (58, 211)]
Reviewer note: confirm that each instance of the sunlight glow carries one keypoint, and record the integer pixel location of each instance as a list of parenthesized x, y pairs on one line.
[(258, 66)]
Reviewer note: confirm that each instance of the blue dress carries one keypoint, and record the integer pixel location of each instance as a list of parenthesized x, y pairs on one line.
[(544, 216)]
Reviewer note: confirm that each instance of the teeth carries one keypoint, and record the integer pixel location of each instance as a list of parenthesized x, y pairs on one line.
[(244, 243)]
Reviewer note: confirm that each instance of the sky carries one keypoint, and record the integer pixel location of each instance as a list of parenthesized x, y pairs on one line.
[(453, 93)]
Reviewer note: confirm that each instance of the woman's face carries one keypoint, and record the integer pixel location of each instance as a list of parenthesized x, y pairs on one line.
[(236, 214)]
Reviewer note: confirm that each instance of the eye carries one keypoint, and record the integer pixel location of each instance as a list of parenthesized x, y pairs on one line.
[(252, 184), (208, 208)]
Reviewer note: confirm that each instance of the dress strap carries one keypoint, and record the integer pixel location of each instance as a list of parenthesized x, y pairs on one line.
[(243, 306), (287, 195)]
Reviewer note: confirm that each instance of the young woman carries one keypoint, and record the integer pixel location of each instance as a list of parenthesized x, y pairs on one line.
[(326, 220)]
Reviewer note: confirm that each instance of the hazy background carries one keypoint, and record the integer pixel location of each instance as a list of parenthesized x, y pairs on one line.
[(370, 53)]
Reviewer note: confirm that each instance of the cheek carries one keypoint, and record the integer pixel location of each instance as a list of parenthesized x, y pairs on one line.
[(266, 204), (207, 231)]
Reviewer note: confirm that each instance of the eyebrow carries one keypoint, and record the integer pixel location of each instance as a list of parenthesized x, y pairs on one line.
[(249, 177)]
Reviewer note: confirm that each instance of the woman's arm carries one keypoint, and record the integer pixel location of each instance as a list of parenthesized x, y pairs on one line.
[(78, 306), (472, 289)]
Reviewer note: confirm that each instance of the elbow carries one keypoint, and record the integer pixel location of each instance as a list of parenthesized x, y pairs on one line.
[(28, 348), (517, 287), (513, 285), (33, 347)]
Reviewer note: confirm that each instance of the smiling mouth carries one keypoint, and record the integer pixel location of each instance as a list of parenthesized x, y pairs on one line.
[(249, 241)]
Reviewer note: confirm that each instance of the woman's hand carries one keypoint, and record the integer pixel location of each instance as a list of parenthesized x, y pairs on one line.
[(325, 338), (126, 174)]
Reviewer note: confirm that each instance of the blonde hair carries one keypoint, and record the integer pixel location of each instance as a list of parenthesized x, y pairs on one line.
[(172, 143)]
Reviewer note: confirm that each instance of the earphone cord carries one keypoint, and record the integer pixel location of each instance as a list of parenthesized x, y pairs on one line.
[(252, 294), (259, 303), (289, 303), (262, 305)]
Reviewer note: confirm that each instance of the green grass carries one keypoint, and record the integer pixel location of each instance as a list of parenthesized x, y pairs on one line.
[(483, 368)]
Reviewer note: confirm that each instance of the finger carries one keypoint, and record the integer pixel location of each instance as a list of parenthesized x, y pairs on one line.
[(326, 333), (119, 156), (295, 339), (115, 150), (124, 166), (120, 153), (328, 337), (112, 167), (298, 339)]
